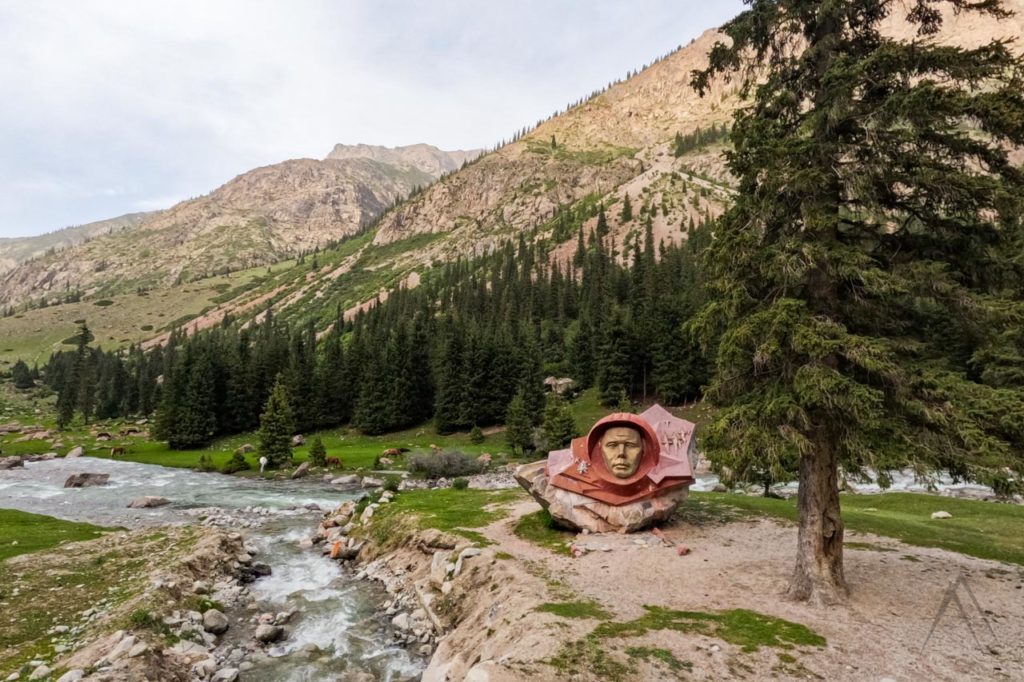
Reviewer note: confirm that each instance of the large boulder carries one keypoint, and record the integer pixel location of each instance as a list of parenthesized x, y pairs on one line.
[(578, 512), (76, 451), (301, 471), (148, 502), (86, 480), (11, 462)]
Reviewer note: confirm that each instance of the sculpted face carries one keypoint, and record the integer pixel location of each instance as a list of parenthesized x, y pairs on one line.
[(622, 448)]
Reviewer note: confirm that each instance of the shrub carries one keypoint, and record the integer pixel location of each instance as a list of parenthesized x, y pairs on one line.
[(146, 327), (103, 303), (205, 463), (476, 435), (460, 483), (391, 483), (237, 463), (317, 453), (443, 464)]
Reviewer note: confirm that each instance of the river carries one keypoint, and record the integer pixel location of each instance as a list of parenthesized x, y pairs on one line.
[(336, 613)]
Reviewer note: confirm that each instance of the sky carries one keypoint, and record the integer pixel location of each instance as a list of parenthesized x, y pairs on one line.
[(112, 107)]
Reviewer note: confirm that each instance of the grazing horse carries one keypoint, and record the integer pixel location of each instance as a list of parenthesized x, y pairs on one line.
[(115, 451), (333, 462)]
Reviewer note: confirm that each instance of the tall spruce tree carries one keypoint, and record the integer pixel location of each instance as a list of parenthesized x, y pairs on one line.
[(518, 424), (877, 218)]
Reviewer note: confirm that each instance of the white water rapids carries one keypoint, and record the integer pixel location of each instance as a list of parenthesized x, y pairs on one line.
[(336, 613)]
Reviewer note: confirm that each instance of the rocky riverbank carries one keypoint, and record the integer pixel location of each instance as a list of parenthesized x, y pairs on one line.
[(128, 606)]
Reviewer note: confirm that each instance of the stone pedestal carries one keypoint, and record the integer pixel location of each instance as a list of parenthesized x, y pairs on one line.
[(578, 512)]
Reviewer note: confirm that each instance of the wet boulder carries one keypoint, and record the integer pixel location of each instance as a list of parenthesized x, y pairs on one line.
[(86, 480), (267, 633), (11, 462), (76, 451), (148, 502), (301, 471)]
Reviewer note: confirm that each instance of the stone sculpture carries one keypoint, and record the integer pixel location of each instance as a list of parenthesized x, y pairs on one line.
[(629, 472)]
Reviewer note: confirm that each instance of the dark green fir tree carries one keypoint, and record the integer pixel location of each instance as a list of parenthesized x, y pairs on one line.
[(276, 427), (871, 259)]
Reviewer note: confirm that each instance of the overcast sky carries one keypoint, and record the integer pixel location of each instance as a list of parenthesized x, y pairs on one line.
[(129, 105)]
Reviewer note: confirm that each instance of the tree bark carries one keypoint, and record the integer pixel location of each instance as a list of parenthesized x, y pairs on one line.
[(818, 577)]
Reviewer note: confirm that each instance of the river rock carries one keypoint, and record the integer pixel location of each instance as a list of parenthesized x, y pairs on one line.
[(301, 471), (225, 675), (267, 633), (189, 650), (370, 482), (148, 502), (216, 622), (76, 451), (11, 462), (86, 480), (578, 512), (72, 675), (401, 621), (351, 479)]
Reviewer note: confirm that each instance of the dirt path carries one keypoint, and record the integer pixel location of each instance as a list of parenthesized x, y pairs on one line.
[(897, 591)]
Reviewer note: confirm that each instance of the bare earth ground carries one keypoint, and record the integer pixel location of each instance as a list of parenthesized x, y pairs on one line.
[(896, 592)]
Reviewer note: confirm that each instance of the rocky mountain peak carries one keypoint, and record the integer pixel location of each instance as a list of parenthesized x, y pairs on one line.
[(422, 157)]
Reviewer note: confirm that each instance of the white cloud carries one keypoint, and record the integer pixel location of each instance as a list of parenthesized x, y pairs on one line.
[(110, 105)]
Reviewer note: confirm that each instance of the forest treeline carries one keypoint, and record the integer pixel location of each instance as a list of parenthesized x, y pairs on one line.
[(458, 349)]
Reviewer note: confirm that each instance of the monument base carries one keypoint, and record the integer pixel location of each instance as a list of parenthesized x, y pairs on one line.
[(577, 512)]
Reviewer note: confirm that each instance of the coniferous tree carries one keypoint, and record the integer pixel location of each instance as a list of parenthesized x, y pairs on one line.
[(518, 424), (878, 217), (276, 427), (22, 375), (627, 210), (559, 424)]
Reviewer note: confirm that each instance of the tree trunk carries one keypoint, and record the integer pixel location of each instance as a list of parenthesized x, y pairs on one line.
[(818, 576)]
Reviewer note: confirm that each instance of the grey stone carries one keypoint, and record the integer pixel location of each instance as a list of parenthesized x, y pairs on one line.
[(225, 675), (439, 568), (216, 622), (401, 621), (86, 480), (76, 451), (71, 676), (301, 471), (148, 502), (39, 673), (267, 633)]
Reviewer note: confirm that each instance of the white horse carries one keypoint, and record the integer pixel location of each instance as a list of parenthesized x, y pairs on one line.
[(263, 463)]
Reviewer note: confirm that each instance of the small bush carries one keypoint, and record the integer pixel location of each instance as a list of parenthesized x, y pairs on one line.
[(103, 303), (237, 463), (205, 463), (460, 483), (443, 465), (146, 327), (476, 435), (391, 483), (317, 453)]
